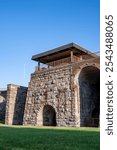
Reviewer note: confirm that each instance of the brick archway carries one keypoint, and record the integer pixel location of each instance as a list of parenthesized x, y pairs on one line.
[(49, 116), (89, 94)]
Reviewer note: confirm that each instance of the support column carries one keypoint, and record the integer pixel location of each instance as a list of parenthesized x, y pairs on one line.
[(11, 97), (38, 66), (71, 55), (16, 97)]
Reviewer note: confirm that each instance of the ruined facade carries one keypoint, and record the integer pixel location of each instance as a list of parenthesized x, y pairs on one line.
[(64, 92), (3, 94), (12, 104), (16, 98)]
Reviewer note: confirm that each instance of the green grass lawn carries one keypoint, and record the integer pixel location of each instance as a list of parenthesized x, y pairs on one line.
[(45, 138)]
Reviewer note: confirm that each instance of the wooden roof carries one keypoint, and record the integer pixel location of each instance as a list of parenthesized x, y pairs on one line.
[(61, 52)]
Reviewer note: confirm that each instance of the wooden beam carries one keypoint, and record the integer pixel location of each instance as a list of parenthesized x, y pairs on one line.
[(71, 55)]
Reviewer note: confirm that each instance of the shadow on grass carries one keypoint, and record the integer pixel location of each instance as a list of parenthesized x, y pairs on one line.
[(26, 138)]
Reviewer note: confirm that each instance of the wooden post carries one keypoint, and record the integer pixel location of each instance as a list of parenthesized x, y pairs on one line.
[(71, 55), (38, 66)]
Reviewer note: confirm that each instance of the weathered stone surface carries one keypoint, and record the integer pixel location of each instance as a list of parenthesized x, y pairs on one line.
[(61, 88), (2, 104), (16, 97)]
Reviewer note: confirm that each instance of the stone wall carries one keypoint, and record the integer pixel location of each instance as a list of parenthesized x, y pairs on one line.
[(87, 92), (58, 88), (16, 97), (3, 100), (89, 82), (50, 87)]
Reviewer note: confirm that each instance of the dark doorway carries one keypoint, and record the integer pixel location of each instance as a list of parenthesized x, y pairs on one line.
[(89, 81), (49, 116)]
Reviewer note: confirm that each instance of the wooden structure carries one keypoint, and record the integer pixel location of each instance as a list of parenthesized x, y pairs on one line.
[(66, 54)]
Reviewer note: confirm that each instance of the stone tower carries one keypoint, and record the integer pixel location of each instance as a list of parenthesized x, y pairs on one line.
[(65, 88)]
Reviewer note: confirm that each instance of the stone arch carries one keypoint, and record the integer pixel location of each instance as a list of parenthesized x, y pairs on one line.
[(40, 117), (49, 116), (89, 95)]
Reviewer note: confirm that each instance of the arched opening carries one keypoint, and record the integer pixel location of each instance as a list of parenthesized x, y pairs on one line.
[(89, 81), (49, 116)]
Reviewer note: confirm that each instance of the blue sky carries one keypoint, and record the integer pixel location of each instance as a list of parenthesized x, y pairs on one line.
[(28, 27)]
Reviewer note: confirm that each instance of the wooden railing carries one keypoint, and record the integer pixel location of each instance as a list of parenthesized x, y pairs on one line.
[(64, 61)]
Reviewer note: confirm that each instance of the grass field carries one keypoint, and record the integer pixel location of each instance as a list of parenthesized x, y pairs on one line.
[(48, 138)]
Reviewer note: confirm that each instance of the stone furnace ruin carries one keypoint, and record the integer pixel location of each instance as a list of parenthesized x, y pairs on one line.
[(64, 90)]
